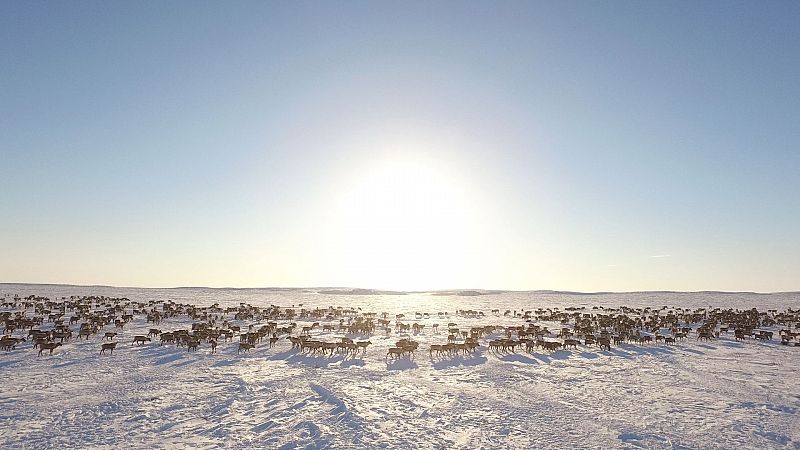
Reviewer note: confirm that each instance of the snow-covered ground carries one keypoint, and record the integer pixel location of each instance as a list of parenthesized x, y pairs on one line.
[(718, 394)]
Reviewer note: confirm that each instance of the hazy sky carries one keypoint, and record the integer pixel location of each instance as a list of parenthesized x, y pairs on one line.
[(554, 145)]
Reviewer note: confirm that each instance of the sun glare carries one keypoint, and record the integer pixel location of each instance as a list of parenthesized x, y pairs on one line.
[(406, 225)]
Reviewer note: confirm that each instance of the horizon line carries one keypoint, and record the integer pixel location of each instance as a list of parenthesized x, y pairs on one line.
[(414, 291)]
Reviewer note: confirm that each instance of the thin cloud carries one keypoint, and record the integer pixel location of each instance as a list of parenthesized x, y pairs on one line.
[(612, 265), (660, 256)]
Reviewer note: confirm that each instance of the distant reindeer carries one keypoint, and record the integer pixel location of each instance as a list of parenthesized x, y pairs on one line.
[(108, 346), (362, 345), (245, 346), (140, 340), (48, 346)]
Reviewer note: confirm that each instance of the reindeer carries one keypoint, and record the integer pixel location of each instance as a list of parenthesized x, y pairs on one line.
[(362, 345), (84, 332), (48, 346), (108, 346), (496, 344), (552, 346), (8, 343), (166, 338), (329, 347), (296, 341), (61, 335), (438, 348), (394, 352), (348, 347), (244, 346), (530, 345), (704, 335), (140, 340)]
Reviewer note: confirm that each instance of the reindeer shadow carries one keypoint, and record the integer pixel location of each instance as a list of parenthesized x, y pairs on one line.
[(224, 363), (10, 361), (652, 350), (550, 357), (168, 359), (618, 351), (284, 354), (65, 364), (458, 361), (691, 350), (314, 361), (153, 350), (517, 357), (352, 362), (401, 364)]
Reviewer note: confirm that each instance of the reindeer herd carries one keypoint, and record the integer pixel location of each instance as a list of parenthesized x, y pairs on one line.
[(48, 324)]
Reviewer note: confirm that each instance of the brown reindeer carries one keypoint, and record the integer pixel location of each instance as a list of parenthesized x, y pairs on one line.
[(329, 347), (166, 337), (48, 346), (704, 335), (244, 346), (438, 348), (362, 345), (140, 340), (108, 346), (8, 343), (85, 332), (394, 352), (552, 346)]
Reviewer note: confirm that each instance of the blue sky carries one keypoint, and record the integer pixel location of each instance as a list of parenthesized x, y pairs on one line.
[(203, 143)]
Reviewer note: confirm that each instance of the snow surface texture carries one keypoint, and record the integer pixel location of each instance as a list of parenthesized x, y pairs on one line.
[(722, 394)]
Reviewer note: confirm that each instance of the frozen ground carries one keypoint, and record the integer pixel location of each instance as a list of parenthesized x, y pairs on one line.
[(723, 394)]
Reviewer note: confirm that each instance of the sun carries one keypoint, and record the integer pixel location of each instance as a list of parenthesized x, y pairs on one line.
[(406, 224)]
